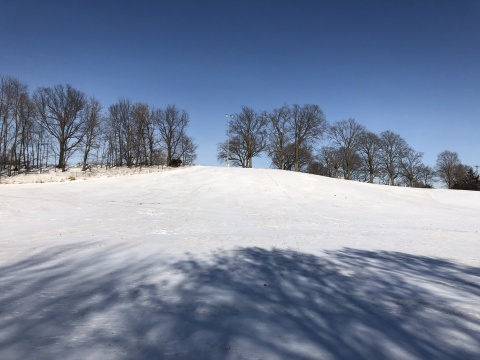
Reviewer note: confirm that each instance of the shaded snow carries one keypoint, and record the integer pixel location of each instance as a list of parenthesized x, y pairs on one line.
[(215, 263)]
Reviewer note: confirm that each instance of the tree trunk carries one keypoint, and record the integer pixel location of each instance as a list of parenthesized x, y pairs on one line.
[(61, 157), (296, 158), (85, 157)]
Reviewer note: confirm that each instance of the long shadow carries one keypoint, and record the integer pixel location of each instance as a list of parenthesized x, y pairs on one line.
[(251, 303)]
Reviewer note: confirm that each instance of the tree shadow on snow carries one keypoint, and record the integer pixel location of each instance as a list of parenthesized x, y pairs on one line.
[(250, 303)]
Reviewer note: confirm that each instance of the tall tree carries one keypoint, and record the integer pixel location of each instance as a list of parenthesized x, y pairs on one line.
[(346, 134), (304, 159), (172, 123), (368, 148), (332, 160), (393, 148), (280, 136), (10, 88), (308, 125), (237, 152), (145, 117), (188, 150), (447, 166), (411, 167), (427, 175), (124, 132), (28, 137), (92, 130), (467, 179), (60, 114), (248, 133)]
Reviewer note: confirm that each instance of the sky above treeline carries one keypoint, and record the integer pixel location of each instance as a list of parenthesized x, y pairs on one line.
[(409, 66)]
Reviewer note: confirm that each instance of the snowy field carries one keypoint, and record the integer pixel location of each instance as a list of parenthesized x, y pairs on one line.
[(216, 263)]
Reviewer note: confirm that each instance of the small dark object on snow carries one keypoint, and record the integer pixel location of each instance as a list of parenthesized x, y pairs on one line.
[(175, 162), (265, 285)]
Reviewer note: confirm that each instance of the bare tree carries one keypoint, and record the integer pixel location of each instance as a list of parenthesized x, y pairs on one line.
[(411, 167), (188, 150), (466, 179), (248, 136), (60, 114), (304, 161), (172, 123), (5, 120), (393, 148), (332, 161), (427, 175), (280, 136), (144, 138), (145, 117), (308, 125), (285, 159), (368, 148), (15, 125), (92, 130), (124, 133), (447, 167), (346, 134), (237, 152)]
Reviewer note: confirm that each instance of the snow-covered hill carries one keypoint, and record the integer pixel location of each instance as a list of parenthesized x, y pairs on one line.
[(216, 263)]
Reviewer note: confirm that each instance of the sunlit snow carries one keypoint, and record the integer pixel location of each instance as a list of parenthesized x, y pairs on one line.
[(217, 263)]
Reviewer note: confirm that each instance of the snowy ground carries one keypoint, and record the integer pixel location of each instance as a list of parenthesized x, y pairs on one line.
[(215, 263)]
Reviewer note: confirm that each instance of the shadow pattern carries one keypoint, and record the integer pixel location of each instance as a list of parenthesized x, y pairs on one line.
[(251, 303)]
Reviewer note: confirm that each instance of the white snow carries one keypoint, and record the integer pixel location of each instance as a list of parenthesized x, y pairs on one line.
[(216, 263)]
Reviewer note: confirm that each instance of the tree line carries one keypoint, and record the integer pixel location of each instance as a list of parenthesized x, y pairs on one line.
[(54, 123), (290, 136)]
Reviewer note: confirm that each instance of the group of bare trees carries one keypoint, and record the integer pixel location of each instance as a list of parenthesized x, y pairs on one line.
[(20, 137), (138, 134), (52, 124), (290, 137), (454, 174), (287, 135)]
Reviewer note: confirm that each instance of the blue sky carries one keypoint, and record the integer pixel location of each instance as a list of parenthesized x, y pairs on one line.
[(409, 66)]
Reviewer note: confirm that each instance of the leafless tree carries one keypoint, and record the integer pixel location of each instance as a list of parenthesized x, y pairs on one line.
[(411, 167), (5, 118), (21, 139), (188, 150), (285, 159), (466, 179), (92, 130), (60, 114), (332, 160), (308, 125), (393, 148), (447, 166), (346, 135), (237, 152), (248, 137), (145, 116), (305, 158), (11, 93), (123, 133), (280, 136), (368, 148), (172, 123), (427, 175)]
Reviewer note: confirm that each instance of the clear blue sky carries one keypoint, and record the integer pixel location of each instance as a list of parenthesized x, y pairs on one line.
[(409, 66)]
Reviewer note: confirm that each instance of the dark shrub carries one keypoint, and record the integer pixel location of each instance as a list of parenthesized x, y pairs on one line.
[(175, 162)]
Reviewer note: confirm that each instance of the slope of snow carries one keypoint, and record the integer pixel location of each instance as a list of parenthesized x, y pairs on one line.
[(215, 263)]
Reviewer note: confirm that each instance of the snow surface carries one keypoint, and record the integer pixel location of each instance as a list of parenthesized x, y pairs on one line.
[(217, 263)]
